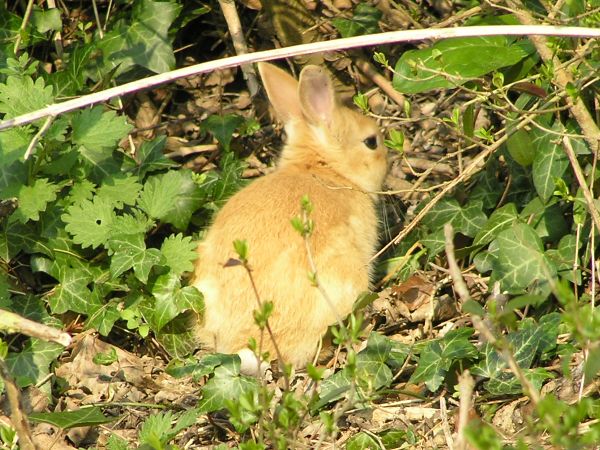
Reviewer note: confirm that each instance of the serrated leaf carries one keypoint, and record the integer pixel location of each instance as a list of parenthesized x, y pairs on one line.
[(120, 190), (13, 144), (462, 59), (226, 384), (500, 220), (365, 20), (97, 129), (32, 363), (90, 222), (179, 253), (20, 95), (222, 127), (34, 199), (159, 194), (550, 162), (65, 420)]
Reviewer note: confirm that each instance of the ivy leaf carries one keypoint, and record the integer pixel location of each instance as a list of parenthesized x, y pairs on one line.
[(20, 95), (97, 129), (520, 260), (500, 220), (222, 127), (144, 40), (467, 220), (90, 222), (120, 190), (32, 363), (34, 199), (150, 157), (550, 162), (364, 21), (179, 252), (226, 384), (72, 292), (172, 300), (71, 419), (129, 250)]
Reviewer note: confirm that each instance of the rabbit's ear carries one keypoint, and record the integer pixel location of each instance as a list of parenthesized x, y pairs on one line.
[(282, 90), (317, 97)]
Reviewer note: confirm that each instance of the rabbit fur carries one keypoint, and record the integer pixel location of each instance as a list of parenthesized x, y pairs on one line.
[(336, 157)]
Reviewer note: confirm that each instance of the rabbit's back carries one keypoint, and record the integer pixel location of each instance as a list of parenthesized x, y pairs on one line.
[(343, 241)]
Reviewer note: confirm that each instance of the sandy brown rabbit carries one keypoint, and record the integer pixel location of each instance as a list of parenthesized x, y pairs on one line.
[(336, 157)]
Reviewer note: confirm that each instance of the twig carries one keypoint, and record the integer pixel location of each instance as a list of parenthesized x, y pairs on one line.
[(562, 79), (24, 23), (13, 323), (302, 49), (370, 71), (499, 344), (239, 42), (38, 136), (17, 415), (465, 391)]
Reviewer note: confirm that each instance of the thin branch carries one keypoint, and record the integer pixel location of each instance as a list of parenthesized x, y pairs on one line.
[(302, 49), (13, 323), (17, 415)]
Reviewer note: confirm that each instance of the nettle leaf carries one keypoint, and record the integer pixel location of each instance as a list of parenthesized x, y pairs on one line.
[(13, 144), (550, 161), (90, 222), (520, 260), (223, 127), (144, 40), (438, 355), (97, 129), (34, 199), (171, 197), (500, 220), (129, 251), (226, 384), (365, 20), (32, 363), (120, 191), (179, 252), (20, 95), (83, 417), (81, 190), (462, 59)]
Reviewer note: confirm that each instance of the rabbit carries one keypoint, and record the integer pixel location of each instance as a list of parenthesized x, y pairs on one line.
[(336, 157)]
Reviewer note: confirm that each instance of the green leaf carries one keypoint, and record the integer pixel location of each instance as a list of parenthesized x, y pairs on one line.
[(34, 199), (144, 40), (500, 220), (45, 20), (362, 441), (226, 384), (150, 157), (120, 191), (179, 337), (223, 127), (550, 162), (96, 129), (171, 300), (521, 261), (365, 20), (129, 251), (20, 95), (32, 363), (180, 253), (13, 144), (65, 420), (438, 355), (72, 293), (90, 222), (461, 59), (467, 220), (15, 237)]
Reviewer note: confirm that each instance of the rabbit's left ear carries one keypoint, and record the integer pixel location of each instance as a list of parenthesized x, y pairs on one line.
[(317, 97), (282, 90)]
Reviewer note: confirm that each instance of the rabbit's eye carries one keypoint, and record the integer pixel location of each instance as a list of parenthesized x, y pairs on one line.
[(371, 142)]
